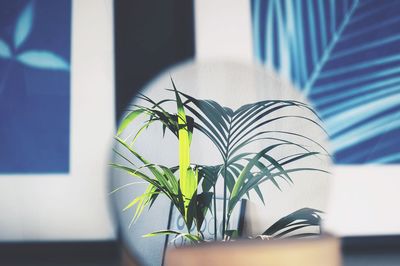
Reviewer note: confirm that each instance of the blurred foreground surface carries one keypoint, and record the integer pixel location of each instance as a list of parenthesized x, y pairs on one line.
[(302, 252), (356, 251)]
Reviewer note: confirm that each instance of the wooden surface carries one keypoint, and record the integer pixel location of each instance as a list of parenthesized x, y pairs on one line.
[(313, 252)]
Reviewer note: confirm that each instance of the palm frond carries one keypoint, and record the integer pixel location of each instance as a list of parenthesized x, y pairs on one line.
[(190, 237), (232, 132), (187, 176), (344, 55), (292, 224)]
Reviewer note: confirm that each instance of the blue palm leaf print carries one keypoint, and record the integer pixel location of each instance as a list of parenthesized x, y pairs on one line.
[(43, 59), (345, 56), (24, 25), (35, 52), (5, 51)]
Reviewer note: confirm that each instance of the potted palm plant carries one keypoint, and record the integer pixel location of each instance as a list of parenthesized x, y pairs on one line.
[(192, 188)]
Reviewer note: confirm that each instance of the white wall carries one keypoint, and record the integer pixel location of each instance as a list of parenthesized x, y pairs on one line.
[(364, 200), (73, 206), (222, 30)]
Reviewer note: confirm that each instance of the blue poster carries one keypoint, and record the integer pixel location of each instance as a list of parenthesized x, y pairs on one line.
[(345, 56), (35, 48)]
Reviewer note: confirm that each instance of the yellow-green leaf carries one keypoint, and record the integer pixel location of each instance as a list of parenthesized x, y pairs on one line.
[(128, 119), (188, 178)]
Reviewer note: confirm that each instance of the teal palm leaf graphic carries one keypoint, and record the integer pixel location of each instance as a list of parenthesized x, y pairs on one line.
[(345, 56), (41, 59), (5, 51), (23, 26)]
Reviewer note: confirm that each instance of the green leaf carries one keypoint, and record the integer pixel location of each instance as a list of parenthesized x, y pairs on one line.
[(171, 179), (296, 220), (128, 119), (161, 186), (145, 126), (203, 201), (265, 172), (259, 193), (241, 179), (218, 138), (123, 157), (190, 196), (208, 176), (162, 232), (192, 238), (125, 186), (142, 201), (187, 177)]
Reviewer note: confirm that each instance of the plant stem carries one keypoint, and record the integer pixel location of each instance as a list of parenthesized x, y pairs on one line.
[(225, 185), (215, 214), (224, 203), (171, 206)]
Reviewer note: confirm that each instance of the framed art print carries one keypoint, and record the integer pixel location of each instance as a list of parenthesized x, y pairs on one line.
[(35, 48), (56, 119), (344, 56)]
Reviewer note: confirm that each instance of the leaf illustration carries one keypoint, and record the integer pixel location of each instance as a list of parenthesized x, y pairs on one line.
[(43, 59), (344, 55), (5, 51), (24, 25)]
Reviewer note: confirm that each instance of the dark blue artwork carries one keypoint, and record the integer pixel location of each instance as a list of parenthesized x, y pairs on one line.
[(345, 56), (35, 39)]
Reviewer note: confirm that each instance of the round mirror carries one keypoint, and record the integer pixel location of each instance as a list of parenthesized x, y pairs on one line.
[(224, 149)]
